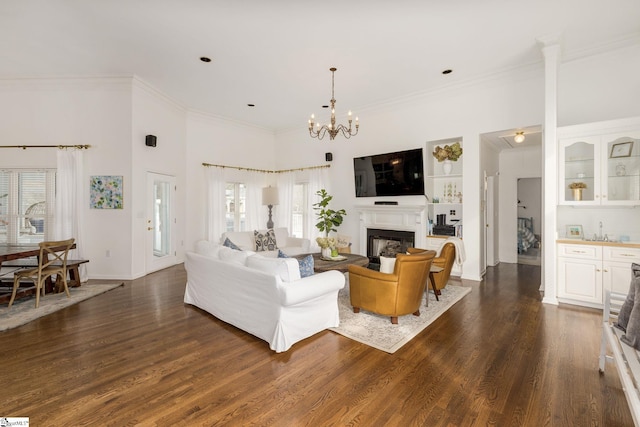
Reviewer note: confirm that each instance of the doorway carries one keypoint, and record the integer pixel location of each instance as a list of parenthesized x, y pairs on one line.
[(529, 221), (161, 252)]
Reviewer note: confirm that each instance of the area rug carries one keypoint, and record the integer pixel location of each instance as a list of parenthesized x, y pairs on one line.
[(24, 310), (377, 331)]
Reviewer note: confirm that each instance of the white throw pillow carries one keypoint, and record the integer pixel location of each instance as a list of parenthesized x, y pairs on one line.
[(207, 248), (286, 268), (387, 264), (233, 256)]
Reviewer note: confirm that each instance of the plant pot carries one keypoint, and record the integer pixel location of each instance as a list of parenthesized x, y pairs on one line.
[(577, 193), (447, 166)]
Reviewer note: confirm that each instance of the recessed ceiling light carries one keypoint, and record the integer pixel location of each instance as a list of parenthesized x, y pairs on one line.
[(251, 105), (447, 71), (205, 59)]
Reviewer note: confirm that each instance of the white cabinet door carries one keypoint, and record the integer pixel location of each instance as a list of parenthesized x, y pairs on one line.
[(580, 280), (617, 276)]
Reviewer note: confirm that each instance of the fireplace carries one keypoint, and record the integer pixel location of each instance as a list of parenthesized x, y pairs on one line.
[(387, 243)]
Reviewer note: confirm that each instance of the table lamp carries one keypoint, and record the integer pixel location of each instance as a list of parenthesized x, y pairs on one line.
[(270, 198)]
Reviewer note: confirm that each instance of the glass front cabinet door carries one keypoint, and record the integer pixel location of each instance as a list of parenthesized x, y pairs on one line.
[(579, 171), (621, 172)]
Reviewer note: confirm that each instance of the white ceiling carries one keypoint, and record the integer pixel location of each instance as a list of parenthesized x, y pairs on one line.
[(276, 54)]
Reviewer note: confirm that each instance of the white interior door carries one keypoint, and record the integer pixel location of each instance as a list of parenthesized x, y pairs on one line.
[(161, 251), (490, 221)]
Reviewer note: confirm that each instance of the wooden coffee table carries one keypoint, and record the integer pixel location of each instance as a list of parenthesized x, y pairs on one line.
[(320, 265)]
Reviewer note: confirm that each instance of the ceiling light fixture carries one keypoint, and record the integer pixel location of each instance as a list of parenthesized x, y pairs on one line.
[(519, 137), (320, 131)]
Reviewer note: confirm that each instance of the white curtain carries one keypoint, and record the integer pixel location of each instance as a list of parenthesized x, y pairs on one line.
[(216, 203), (255, 215), (68, 220), (285, 183), (318, 179)]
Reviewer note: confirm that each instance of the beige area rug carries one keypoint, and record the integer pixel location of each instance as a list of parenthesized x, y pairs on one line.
[(24, 310), (377, 331)]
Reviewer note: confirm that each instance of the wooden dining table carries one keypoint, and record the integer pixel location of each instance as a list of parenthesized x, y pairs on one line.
[(10, 252)]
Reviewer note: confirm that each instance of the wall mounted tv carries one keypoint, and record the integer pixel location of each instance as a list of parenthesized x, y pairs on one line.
[(390, 174)]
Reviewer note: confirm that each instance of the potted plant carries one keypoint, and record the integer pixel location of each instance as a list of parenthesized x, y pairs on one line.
[(577, 188), (328, 220), (447, 154)]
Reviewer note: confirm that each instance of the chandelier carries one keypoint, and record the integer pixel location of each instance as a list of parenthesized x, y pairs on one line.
[(332, 129)]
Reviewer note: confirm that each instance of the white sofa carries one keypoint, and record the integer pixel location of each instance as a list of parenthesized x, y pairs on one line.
[(262, 295), (289, 245)]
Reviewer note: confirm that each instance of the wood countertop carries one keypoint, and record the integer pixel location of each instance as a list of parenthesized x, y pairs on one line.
[(594, 243)]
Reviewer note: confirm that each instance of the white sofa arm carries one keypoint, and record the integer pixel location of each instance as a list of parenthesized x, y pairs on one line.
[(311, 287)]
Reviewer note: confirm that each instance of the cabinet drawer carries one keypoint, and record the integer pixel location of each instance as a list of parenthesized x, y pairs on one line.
[(580, 251), (613, 253)]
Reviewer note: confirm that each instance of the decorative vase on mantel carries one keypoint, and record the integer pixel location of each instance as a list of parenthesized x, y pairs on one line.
[(447, 167)]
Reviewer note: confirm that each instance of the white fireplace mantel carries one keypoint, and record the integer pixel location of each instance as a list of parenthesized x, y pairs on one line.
[(393, 217)]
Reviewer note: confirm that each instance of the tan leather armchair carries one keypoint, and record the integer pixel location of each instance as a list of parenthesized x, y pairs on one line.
[(394, 294), (445, 260)]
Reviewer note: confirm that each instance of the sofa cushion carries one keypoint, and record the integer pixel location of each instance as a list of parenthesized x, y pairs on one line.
[(265, 240), (233, 255), (286, 268), (207, 248), (229, 244)]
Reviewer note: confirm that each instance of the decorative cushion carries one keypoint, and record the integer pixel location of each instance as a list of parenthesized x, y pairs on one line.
[(228, 243), (306, 264), (265, 240), (387, 264), (629, 303), (287, 269)]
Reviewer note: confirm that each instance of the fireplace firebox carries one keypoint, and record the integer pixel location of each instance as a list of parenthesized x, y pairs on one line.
[(387, 243)]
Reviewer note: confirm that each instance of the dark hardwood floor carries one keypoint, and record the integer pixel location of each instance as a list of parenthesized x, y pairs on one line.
[(138, 355)]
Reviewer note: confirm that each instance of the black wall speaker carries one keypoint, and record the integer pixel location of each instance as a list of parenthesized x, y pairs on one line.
[(150, 141), (328, 157)]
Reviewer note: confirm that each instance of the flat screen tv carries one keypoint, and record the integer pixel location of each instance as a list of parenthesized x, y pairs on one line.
[(390, 174)]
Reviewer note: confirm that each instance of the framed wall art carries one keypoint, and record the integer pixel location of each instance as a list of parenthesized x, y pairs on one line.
[(574, 232), (621, 149), (105, 192)]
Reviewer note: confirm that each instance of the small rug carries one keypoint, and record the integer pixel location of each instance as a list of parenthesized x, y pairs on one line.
[(24, 310), (377, 331)]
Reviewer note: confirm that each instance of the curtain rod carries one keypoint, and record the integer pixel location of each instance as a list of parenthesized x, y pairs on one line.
[(24, 147), (264, 170)]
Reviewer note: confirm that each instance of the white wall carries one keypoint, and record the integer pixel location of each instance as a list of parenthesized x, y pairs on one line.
[(223, 142), (77, 111), (464, 111)]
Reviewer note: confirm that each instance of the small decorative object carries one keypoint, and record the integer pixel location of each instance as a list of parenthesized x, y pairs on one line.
[(447, 167), (621, 170), (576, 188), (105, 192), (622, 149), (574, 232)]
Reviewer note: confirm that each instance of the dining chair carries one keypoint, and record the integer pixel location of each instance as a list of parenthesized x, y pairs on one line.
[(52, 260)]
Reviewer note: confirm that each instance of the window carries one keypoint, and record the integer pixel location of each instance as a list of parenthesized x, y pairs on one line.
[(26, 205), (235, 200), (300, 211)]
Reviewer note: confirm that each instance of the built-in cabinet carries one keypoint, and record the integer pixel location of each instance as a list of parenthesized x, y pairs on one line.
[(586, 270), (599, 164), (443, 186)]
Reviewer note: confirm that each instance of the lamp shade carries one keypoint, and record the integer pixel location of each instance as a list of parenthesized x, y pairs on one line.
[(270, 196)]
